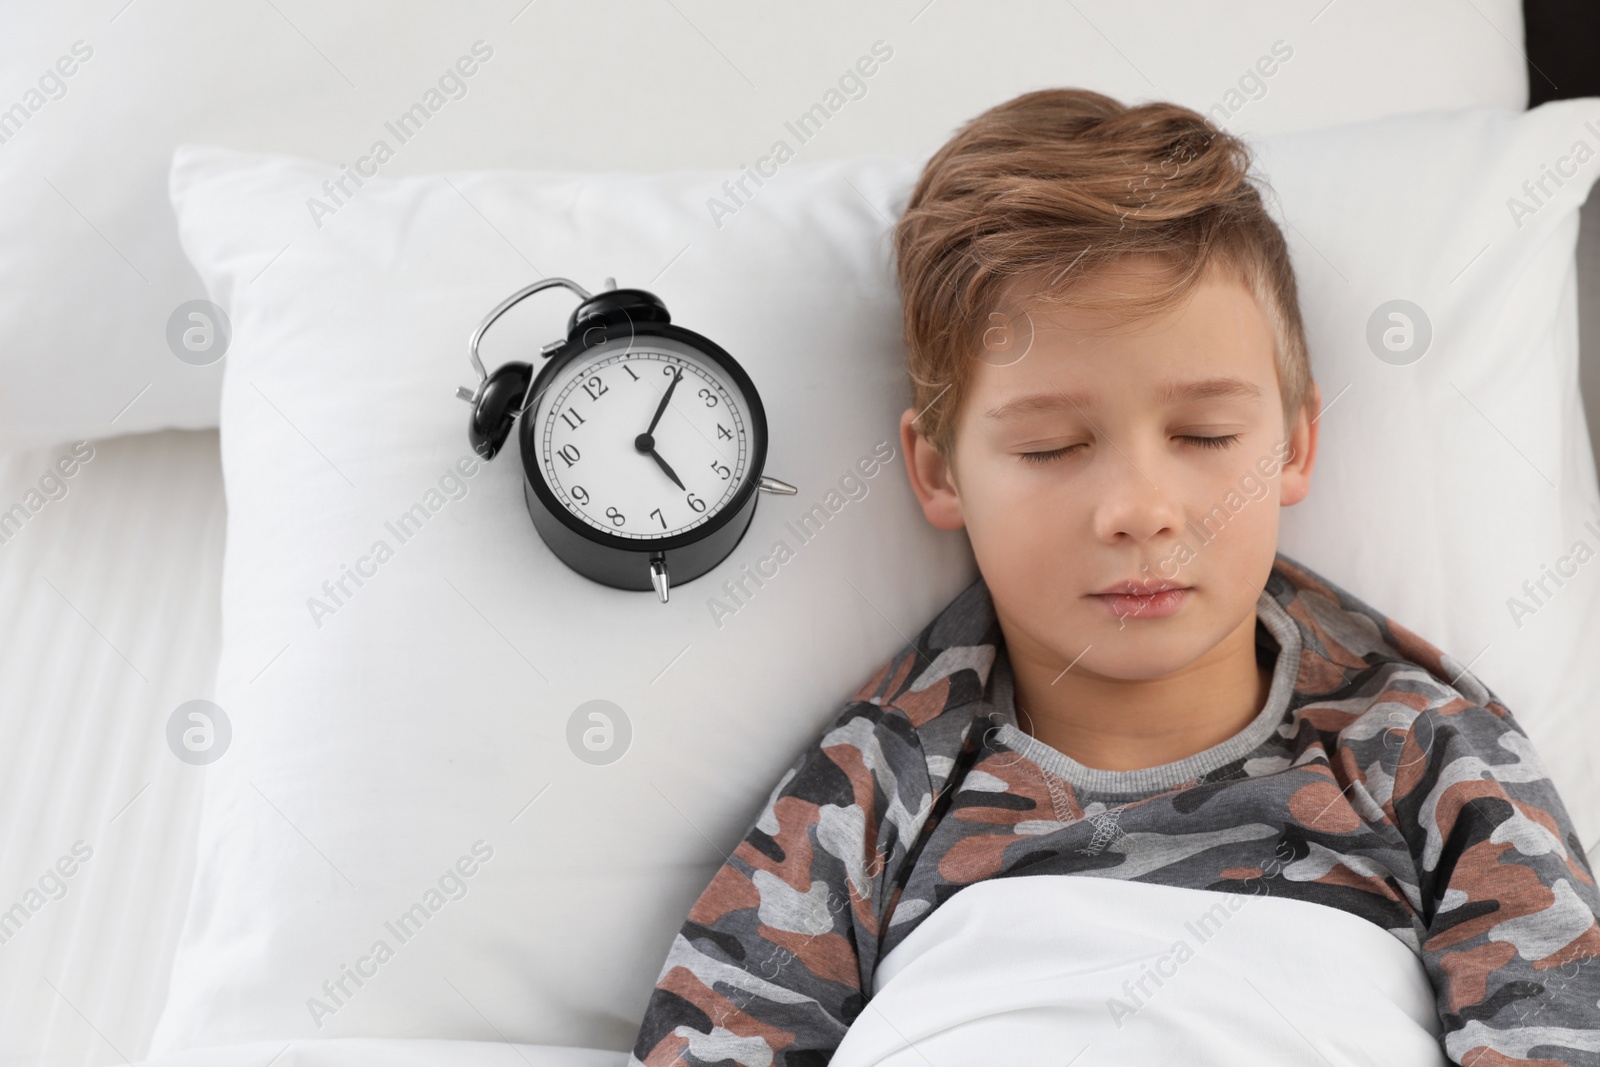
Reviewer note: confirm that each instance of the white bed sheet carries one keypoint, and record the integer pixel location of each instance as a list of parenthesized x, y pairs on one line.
[(109, 604), (389, 1052)]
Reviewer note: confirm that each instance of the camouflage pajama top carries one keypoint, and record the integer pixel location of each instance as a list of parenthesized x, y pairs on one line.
[(1380, 778)]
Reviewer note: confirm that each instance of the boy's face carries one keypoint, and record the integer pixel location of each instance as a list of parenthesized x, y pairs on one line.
[(1137, 496)]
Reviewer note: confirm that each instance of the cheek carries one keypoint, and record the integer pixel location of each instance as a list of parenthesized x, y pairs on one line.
[(1232, 533), (1018, 522), (1252, 535), (1005, 499)]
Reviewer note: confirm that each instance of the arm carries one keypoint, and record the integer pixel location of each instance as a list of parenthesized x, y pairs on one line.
[(1512, 940), (771, 963)]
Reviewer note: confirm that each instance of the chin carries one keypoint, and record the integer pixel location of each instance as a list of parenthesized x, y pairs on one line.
[(1145, 649), (1130, 665)]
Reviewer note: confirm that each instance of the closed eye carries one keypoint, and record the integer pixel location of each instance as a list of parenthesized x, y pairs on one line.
[(1046, 457), (1213, 442), (1203, 442)]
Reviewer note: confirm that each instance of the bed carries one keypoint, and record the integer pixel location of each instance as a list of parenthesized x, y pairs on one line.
[(114, 588)]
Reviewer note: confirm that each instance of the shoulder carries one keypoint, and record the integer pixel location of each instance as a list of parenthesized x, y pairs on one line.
[(1357, 656), (1414, 721), (926, 696)]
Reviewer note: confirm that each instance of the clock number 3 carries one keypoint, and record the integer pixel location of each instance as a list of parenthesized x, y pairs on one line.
[(709, 397)]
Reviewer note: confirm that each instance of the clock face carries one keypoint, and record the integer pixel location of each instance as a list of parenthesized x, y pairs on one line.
[(603, 461)]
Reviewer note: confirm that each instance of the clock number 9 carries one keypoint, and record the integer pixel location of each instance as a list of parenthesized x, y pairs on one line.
[(616, 517), (580, 494), (710, 397)]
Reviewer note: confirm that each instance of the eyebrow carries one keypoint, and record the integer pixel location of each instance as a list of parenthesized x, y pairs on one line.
[(1170, 393)]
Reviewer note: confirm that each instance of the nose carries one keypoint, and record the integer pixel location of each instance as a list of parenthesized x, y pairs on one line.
[(1134, 504)]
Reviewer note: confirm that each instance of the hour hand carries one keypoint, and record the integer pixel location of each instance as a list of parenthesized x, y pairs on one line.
[(663, 464)]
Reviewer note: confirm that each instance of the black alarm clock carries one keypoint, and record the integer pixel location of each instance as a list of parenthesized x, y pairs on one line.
[(643, 443)]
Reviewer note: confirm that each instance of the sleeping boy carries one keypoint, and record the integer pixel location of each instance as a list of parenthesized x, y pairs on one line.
[(1112, 395)]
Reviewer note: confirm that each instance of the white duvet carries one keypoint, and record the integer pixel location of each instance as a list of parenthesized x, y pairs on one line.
[(1097, 971)]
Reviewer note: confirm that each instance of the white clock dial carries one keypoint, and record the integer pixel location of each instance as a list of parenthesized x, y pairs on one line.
[(604, 463)]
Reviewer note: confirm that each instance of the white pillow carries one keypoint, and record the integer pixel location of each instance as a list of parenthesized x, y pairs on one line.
[(430, 710), (91, 276)]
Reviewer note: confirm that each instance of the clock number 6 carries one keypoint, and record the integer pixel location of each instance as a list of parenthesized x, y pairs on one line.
[(694, 502)]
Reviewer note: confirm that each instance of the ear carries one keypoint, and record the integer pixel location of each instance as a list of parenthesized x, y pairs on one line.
[(1296, 483), (931, 478)]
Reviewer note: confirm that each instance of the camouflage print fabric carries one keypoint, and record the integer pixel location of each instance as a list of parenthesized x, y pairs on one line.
[(1370, 782)]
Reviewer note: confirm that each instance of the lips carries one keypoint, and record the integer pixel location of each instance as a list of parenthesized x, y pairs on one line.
[(1144, 600), (1139, 587)]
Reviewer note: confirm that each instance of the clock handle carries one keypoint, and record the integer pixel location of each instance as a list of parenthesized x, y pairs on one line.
[(502, 396), (504, 306)]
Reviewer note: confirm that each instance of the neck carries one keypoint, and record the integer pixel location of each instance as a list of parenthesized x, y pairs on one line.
[(1115, 724)]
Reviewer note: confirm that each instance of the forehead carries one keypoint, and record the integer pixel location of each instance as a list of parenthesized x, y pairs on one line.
[(1217, 345)]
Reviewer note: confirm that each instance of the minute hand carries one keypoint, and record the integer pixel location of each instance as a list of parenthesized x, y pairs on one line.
[(664, 398)]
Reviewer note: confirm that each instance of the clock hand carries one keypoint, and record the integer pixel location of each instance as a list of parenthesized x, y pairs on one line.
[(670, 473), (647, 444), (664, 398)]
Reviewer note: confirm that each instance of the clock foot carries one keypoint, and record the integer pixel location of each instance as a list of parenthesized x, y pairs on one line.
[(658, 577)]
